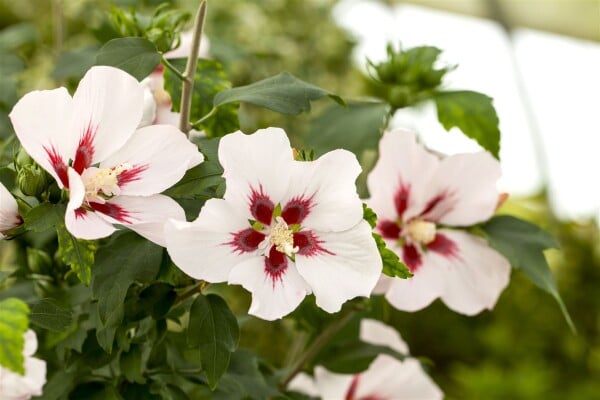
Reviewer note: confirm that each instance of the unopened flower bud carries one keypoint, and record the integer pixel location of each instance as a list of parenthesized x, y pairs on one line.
[(32, 180), (22, 159)]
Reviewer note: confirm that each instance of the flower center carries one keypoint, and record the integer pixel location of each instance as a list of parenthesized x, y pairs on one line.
[(282, 237), (421, 231), (102, 183)]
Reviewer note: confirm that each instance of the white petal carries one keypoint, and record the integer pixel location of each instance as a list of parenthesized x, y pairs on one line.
[(149, 110), (159, 156), (31, 343), (22, 387), (9, 210), (165, 116), (390, 378), (83, 224), (402, 162), (469, 182), (331, 385), (303, 383), (378, 333), (329, 182), (271, 298), (352, 270), (474, 279), (419, 291), (147, 215), (108, 106), (199, 248), (41, 120), (262, 159)]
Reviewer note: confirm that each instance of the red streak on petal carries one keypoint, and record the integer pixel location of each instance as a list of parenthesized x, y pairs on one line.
[(112, 210), (444, 246), (131, 175), (85, 150), (296, 210), (261, 206), (412, 257), (309, 245), (433, 203), (58, 164), (389, 229), (80, 213), (401, 199), (352, 389), (275, 265), (246, 240)]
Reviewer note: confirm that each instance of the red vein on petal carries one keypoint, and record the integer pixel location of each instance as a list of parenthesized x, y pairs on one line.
[(353, 388), (444, 246), (58, 164), (401, 199), (112, 210), (85, 150), (275, 265), (411, 257), (131, 175)]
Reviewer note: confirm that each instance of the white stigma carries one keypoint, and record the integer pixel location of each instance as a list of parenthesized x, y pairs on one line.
[(102, 183), (421, 231), (282, 237)]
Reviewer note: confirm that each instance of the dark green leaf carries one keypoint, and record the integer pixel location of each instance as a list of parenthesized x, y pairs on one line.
[(10, 64), (8, 177), (76, 253), (128, 258), (355, 357), (357, 127), (13, 324), (473, 113), (523, 244), (136, 56), (214, 329), (210, 79), (17, 35), (74, 64), (44, 217), (131, 365), (282, 93), (49, 315)]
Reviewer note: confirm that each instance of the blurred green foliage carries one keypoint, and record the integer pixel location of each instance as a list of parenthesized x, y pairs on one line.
[(521, 350)]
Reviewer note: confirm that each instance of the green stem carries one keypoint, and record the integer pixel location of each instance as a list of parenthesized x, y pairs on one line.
[(207, 116), (173, 69), (316, 346), (186, 295), (190, 71)]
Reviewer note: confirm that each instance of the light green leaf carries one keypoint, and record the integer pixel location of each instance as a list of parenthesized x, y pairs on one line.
[(136, 56), (13, 325), (473, 113), (210, 79), (214, 329), (76, 253), (282, 93), (356, 127), (523, 244), (49, 315)]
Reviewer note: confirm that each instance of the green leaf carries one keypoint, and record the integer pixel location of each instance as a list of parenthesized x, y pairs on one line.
[(49, 315), (44, 217), (210, 79), (74, 63), (356, 128), (13, 325), (126, 259), (131, 365), (282, 93), (369, 216), (523, 244), (353, 356), (136, 56), (214, 329), (76, 253), (473, 113)]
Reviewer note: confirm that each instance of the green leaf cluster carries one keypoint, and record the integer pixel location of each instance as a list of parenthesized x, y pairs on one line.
[(13, 324)]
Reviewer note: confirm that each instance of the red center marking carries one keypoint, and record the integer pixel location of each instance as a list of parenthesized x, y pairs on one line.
[(444, 246), (412, 257), (401, 199), (309, 245), (58, 164), (275, 265), (85, 150), (296, 210), (389, 229), (246, 240), (261, 206)]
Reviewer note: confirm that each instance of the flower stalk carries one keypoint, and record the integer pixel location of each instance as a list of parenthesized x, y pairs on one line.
[(190, 70)]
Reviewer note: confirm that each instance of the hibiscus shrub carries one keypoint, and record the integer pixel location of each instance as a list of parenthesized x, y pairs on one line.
[(133, 204)]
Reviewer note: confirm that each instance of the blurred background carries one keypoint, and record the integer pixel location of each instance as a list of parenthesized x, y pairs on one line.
[(538, 59)]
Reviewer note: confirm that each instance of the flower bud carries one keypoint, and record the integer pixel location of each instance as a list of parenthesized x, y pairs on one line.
[(39, 261), (32, 180), (22, 159)]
